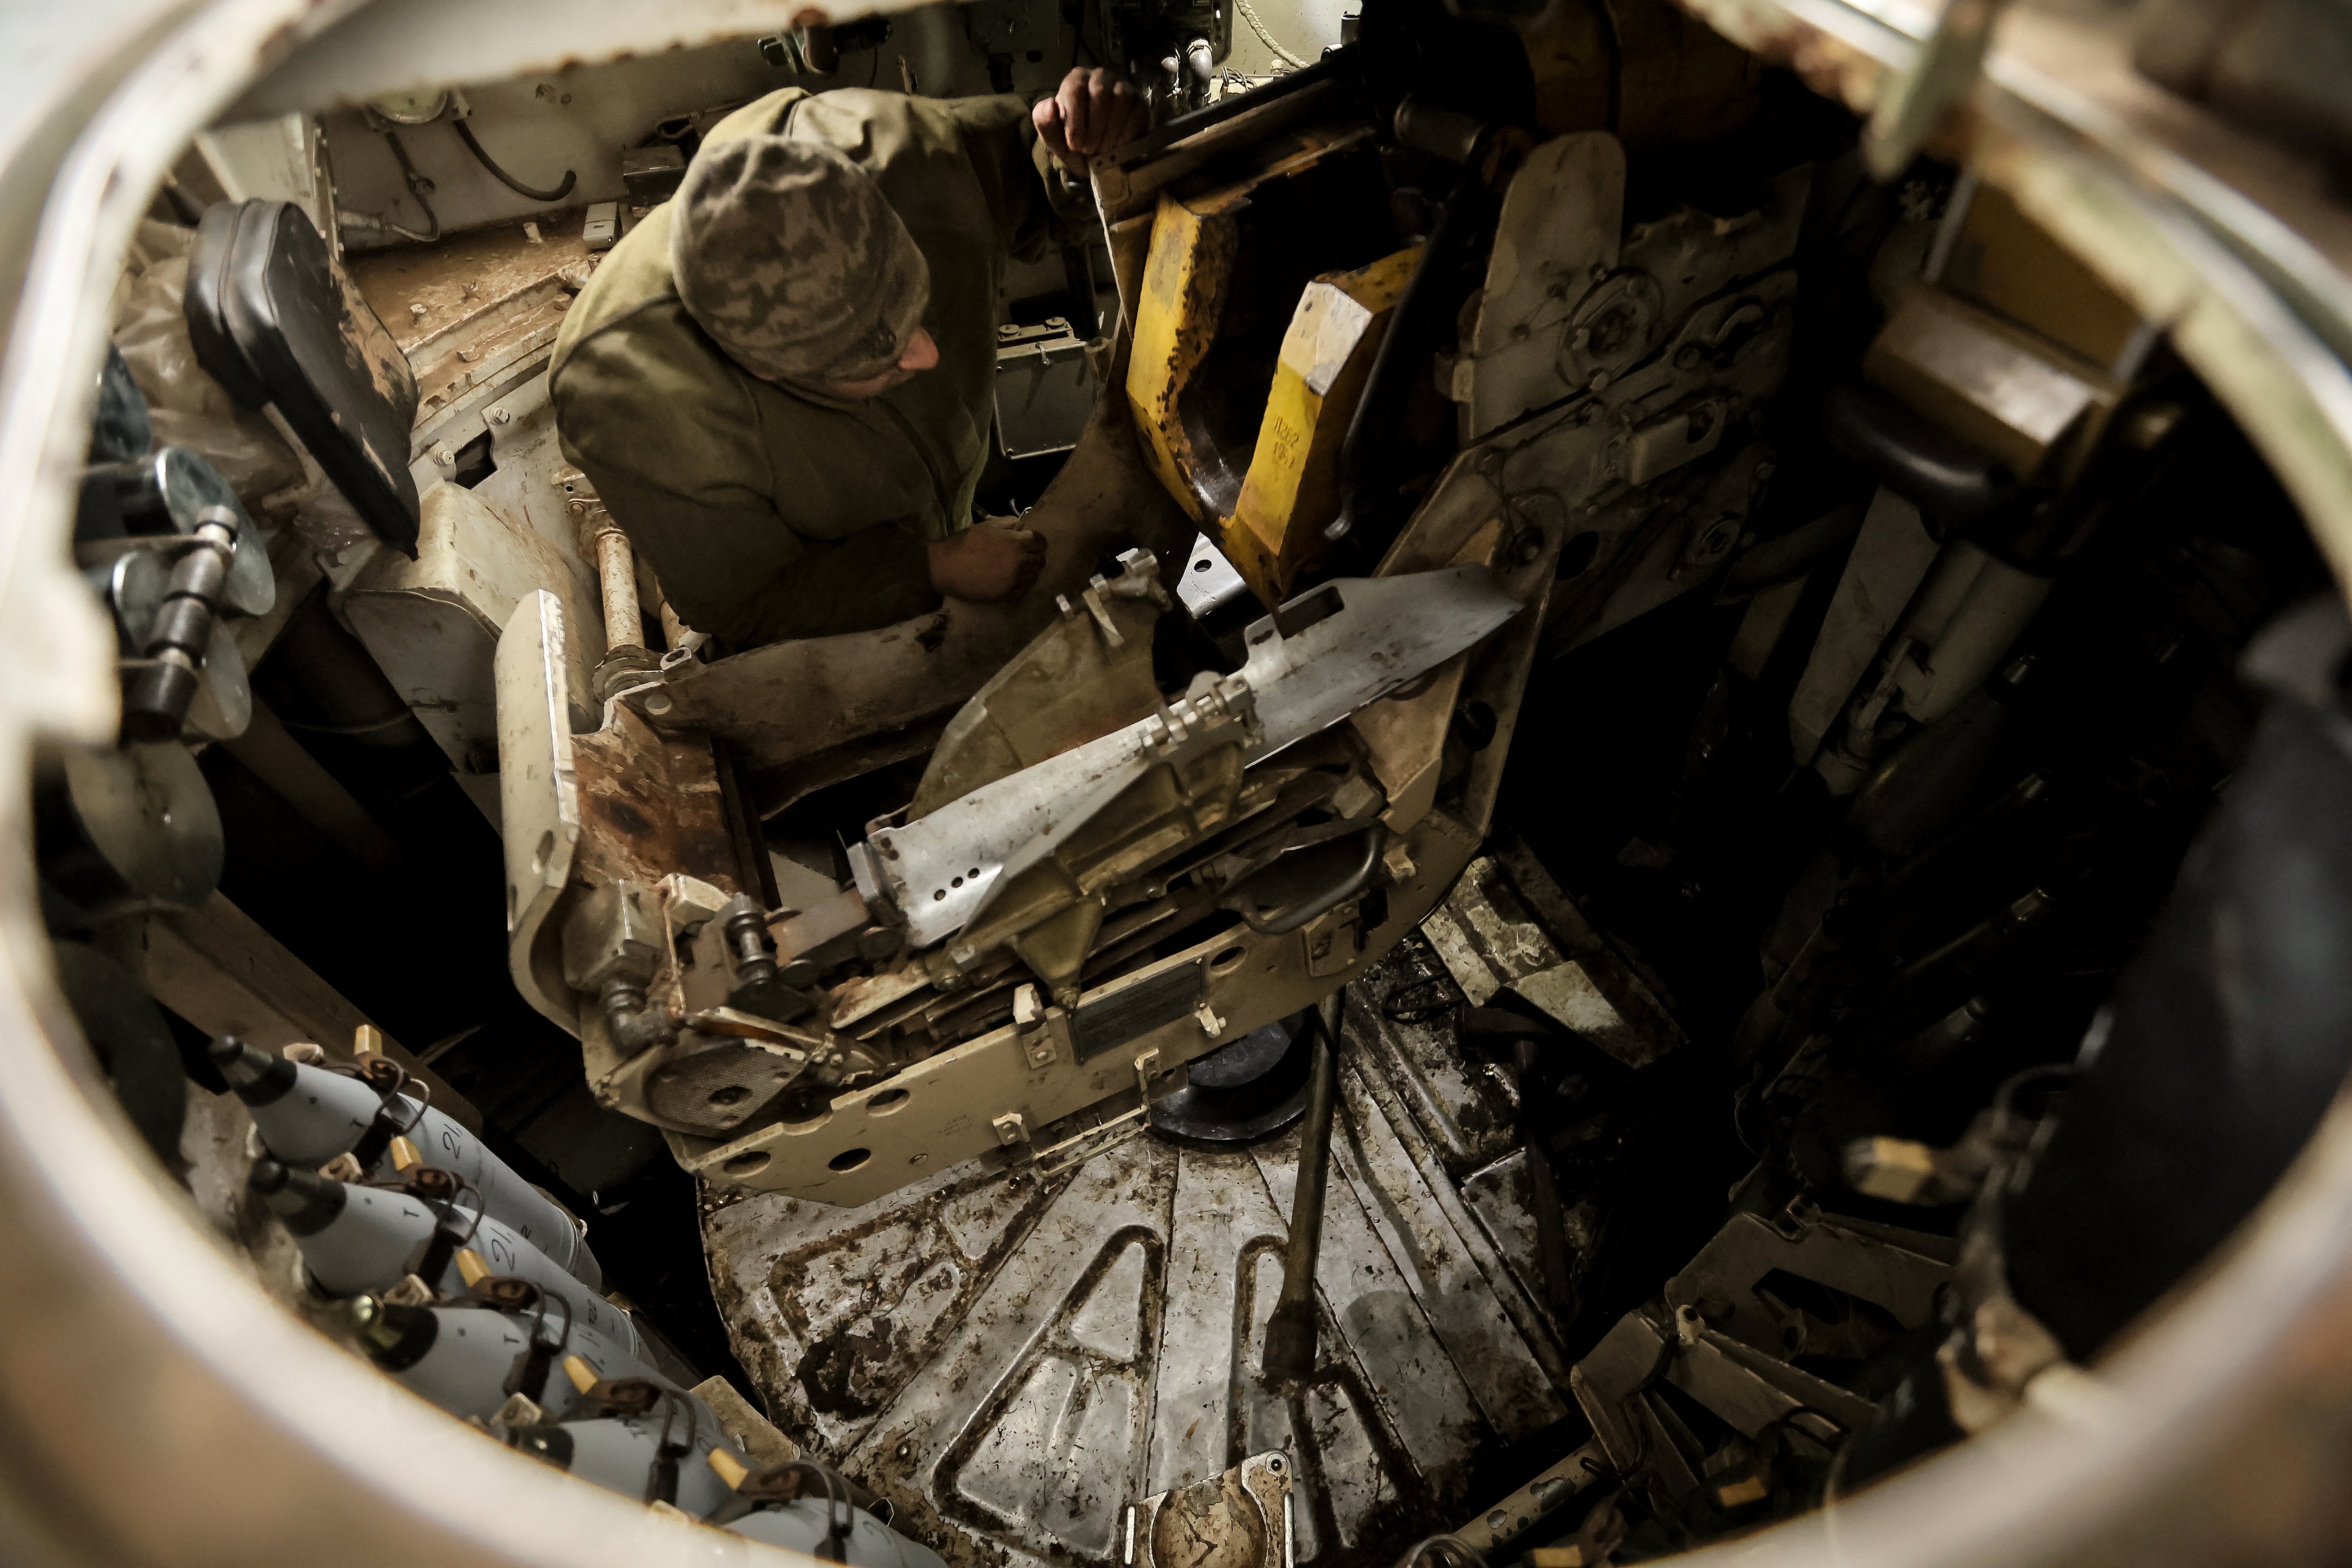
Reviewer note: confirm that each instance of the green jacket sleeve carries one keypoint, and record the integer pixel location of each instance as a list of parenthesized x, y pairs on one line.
[(1035, 207), (672, 437), (741, 575)]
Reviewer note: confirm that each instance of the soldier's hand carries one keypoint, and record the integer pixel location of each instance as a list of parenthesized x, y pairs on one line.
[(987, 562), (1094, 112)]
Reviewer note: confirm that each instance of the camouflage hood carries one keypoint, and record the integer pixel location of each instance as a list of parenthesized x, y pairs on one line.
[(789, 257)]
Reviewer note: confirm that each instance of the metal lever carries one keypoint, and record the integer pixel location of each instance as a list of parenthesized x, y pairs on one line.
[(1290, 1334), (1355, 879)]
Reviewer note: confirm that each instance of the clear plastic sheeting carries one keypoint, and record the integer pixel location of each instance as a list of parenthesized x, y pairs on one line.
[(188, 406)]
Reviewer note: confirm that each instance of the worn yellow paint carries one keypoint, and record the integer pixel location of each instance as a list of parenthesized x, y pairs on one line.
[(1182, 295), (1292, 492), (1185, 275)]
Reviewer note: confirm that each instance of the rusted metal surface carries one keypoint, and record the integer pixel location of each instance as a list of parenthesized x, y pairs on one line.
[(489, 299), (1010, 1360), (371, 345), (1838, 50), (649, 805), (473, 353), (462, 276)]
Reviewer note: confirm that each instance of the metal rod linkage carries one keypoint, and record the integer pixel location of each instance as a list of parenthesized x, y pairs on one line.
[(1290, 1334)]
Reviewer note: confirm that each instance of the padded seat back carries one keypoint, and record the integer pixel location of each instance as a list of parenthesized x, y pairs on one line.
[(276, 323)]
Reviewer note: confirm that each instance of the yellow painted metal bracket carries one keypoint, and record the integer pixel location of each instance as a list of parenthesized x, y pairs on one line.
[(1185, 275), (1292, 492)]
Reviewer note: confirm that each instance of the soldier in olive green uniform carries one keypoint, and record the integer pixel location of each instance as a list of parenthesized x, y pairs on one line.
[(779, 382)]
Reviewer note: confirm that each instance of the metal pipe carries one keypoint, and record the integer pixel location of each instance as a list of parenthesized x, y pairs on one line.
[(419, 188), (616, 567), (1359, 877), (1290, 1333), (675, 634), (563, 189)]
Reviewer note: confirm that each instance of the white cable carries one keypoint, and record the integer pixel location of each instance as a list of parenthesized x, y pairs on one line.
[(1249, 14)]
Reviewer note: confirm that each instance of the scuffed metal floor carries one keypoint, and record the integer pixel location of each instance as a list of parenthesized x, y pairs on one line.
[(1011, 1361)]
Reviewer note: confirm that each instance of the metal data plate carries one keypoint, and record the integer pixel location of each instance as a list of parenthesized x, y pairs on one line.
[(1012, 1361), (1110, 1023)]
